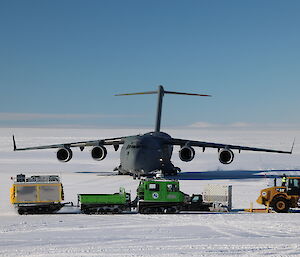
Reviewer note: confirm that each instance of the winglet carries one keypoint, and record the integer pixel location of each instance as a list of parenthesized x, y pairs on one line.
[(14, 141), (293, 146)]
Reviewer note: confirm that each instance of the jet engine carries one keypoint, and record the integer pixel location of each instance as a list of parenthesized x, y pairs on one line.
[(186, 153), (98, 153), (226, 156), (64, 154)]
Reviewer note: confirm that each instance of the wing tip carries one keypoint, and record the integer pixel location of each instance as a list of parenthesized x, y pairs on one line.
[(14, 143), (292, 148)]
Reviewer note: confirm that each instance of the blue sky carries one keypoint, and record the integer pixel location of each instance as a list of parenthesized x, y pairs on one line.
[(61, 62)]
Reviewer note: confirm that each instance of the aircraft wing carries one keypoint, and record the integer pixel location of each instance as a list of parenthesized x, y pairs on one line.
[(183, 142), (108, 141)]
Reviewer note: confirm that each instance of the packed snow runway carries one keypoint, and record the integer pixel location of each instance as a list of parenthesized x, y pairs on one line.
[(150, 235), (194, 234)]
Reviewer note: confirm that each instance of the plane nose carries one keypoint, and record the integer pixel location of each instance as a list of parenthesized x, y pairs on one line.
[(143, 160)]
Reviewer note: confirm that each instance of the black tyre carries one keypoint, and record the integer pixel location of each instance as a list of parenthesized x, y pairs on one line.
[(171, 210), (86, 211), (142, 210), (21, 211), (281, 205)]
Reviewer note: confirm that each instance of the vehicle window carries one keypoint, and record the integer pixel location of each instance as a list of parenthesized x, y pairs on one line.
[(293, 183), (171, 188), (195, 198), (153, 187)]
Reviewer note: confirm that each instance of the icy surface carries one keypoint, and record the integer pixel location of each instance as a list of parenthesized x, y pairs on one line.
[(194, 234)]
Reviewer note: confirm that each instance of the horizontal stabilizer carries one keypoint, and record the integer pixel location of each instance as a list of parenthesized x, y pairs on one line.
[(179, 93), (140, 93), (161, 92)]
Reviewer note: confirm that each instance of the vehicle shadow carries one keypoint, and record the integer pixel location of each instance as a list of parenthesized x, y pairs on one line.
[(233, 174)]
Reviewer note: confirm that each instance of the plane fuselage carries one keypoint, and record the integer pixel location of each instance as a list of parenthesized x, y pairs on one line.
[(143, 154)]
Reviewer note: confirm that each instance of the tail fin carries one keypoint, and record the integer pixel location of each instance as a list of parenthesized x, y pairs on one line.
[(160, 93)]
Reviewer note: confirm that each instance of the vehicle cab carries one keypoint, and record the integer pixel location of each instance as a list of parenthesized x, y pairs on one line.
[(160, 190), (293, 186)]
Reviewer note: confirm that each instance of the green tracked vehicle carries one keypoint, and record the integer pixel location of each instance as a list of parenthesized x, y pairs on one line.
[(154, 196), (160, 196), (105, 203)]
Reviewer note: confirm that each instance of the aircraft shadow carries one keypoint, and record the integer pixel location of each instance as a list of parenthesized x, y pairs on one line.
[(215, 174), (99, 173), (232, 174)]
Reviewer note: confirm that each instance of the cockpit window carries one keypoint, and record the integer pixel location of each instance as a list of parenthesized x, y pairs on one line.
[(133, 146)]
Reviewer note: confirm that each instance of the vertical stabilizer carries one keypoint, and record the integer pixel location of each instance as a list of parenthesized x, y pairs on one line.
[(160, 93)]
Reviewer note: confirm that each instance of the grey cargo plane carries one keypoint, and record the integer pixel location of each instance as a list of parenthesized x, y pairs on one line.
[(143, 155)]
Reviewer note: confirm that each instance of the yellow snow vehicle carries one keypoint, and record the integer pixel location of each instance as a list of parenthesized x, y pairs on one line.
[(282, 198), (37, 194)]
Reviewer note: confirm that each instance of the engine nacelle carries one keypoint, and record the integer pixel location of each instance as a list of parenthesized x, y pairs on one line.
[(64, 154), (186, 153), (98, 153), (226, 156)]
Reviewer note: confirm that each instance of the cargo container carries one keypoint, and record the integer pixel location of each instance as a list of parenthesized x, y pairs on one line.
[(37, 194)]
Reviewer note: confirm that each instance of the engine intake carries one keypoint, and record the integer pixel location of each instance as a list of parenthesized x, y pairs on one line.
[(98, 153), (226, 156), (186, 153), (64, 154)]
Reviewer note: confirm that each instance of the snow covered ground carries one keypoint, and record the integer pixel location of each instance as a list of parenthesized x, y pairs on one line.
[(195, 234)]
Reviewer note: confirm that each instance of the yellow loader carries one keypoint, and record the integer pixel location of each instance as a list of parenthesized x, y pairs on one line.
[(281, 198)]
